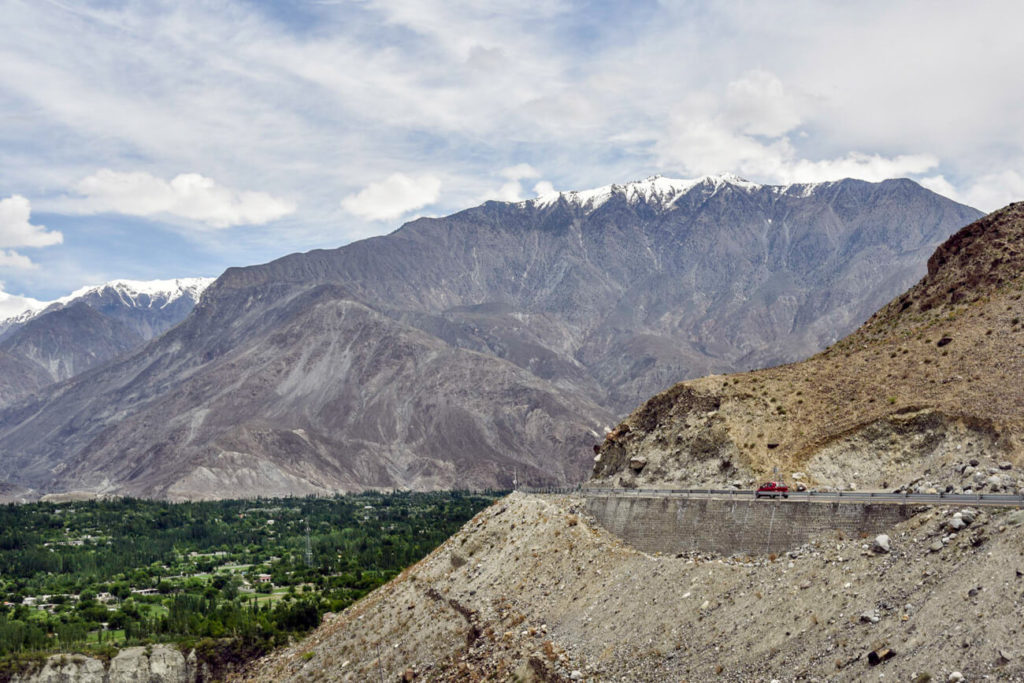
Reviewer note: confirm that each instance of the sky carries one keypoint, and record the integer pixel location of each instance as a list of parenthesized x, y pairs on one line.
[(146, 139)]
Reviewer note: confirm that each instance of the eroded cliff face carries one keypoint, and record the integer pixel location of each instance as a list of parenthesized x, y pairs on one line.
[(926, 393), (152, 664)]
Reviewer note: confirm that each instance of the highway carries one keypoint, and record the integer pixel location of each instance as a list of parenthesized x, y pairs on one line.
[(969, 499)]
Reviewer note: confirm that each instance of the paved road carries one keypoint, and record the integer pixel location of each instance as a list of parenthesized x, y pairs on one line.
[(995, 499)]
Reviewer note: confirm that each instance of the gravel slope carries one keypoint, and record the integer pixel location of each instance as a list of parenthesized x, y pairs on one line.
[(531, 589)]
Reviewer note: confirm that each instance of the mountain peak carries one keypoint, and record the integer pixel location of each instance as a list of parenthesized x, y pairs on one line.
[(655, 189), (157, 293), (166, 291)]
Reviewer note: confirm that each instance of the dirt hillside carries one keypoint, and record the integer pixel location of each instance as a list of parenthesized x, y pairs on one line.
[(532, 590), (932, 381)]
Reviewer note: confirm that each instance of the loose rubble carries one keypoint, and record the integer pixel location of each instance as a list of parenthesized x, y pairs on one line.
[(546, 595)]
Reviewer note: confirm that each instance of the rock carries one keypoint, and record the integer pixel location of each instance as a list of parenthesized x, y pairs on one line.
[(955, 677), (637, 463), (944, 341), (935, 547), (871, 617), (881, 543), (1006, 465), (931, 491), (797, 476), (969, 470), (576, 676), (880, 655), (154, 663), (968, 515), (800, 486), (1004, 656), (995, 481), (974, 462), (61, 668), (157, 662), (956, 523)]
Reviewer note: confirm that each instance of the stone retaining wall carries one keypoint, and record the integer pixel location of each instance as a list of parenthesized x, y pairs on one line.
[(674, 524)]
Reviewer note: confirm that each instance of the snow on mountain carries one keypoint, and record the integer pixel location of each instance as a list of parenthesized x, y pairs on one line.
[(660, 190), (146, 294)]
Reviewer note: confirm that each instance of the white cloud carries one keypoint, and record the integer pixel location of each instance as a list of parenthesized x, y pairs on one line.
[(520, 172), (702, 146), (543, 187), (12, 304), (757, 104), (12, 259), (17, 231), (512, 189), (188, 195), (398, 194), (870, 167), (988, 192)]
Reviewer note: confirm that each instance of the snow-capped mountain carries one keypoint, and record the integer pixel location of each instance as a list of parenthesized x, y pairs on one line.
[(58, 339), (458, 351), (129, 295), (663, 192)]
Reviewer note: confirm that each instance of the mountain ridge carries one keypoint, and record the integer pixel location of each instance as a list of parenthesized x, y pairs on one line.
[(87, 328), (582, 313)]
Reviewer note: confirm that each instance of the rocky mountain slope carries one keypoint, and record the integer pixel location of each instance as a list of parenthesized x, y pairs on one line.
[(926, 386), (88, 328), (467, 349), (532, 590), (927, 390)]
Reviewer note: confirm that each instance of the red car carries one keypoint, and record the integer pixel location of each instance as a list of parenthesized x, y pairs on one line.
[(772, 489)]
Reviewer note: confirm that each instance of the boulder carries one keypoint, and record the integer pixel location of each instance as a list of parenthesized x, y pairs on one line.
[(1006, 465), (881, 544), (637, 463)]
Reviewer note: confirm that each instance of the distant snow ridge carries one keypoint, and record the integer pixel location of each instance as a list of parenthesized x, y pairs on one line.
[(659, 190), (133, 293), (156, 292)]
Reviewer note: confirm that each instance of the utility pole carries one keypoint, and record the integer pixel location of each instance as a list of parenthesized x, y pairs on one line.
[(309, 547)]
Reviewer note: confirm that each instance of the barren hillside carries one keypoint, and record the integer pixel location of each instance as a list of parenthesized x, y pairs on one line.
[(929, 383), (927, 393), (531, 590)]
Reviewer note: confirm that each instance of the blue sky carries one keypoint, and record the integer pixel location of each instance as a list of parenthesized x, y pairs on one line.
[(147, 139)]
